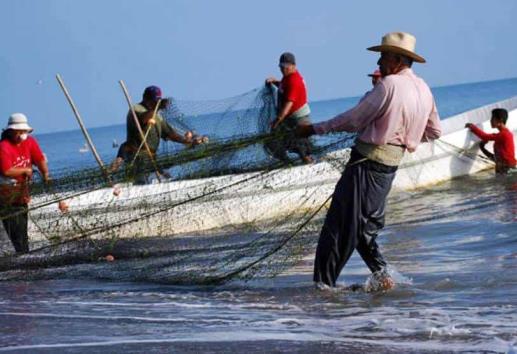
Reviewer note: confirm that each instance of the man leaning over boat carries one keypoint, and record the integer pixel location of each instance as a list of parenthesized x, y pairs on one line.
[(397, 115), (154, 127), (293, 110)]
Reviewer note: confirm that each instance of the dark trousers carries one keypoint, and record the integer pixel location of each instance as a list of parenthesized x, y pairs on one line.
[(289, 141), (141, 169), (16, 226), (354, 219)]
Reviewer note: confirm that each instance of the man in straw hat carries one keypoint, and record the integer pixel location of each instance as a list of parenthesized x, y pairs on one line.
[(395, 116), (18, 152)]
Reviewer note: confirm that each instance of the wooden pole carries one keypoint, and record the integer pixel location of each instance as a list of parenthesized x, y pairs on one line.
[(139, 127), (147, 132), (141, 144), (83, 128)]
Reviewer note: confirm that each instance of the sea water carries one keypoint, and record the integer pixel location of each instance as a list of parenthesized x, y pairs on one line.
[(452, 246)]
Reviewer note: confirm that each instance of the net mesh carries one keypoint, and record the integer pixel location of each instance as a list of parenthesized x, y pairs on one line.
[(231, 210)]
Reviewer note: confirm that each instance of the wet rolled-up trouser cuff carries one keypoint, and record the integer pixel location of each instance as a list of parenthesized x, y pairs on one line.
[(355, 216)]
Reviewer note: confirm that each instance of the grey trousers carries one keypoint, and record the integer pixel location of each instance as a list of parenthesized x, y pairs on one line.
[(355, 216), (290, 142)]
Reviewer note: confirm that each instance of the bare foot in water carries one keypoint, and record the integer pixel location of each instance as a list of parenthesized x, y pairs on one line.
[(386, 283)]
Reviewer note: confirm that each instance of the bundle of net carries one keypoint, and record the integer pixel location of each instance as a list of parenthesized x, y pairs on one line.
[(233, 208)]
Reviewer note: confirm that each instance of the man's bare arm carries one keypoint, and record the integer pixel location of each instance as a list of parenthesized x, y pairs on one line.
[(43, 168), (283, 114), (15, 172)]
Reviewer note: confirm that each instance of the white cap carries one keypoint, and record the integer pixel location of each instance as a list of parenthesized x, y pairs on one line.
[(18, 121)]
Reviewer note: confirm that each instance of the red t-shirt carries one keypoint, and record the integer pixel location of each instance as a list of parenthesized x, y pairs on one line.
[(504, 149), (292, 88), (22, 155)]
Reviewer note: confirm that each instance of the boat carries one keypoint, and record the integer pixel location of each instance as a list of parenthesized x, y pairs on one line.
[(84, 149)]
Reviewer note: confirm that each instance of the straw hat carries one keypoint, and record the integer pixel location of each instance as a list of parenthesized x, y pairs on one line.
[(18, 121), (399, 43)]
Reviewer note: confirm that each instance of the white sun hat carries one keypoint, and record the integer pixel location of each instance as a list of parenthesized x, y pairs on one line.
[(18, 121)]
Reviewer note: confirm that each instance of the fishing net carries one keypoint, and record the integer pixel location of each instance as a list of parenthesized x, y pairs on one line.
[(232, 209)]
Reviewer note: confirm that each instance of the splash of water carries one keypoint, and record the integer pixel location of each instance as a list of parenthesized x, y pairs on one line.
[(385, 279)]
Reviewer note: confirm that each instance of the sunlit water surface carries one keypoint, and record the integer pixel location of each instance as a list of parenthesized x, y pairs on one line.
[(454, 247)]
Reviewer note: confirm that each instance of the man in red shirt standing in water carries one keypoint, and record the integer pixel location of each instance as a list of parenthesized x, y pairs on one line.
[(504, 149), (18, 152), (293, 110)]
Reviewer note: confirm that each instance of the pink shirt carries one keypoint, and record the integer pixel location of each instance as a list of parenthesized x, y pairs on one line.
[(400, 110)]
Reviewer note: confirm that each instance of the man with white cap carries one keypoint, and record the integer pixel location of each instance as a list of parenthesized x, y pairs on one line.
[(18, 152), (395, 116)]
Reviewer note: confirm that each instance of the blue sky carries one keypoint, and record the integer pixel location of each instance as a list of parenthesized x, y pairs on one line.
[(201, 49)]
